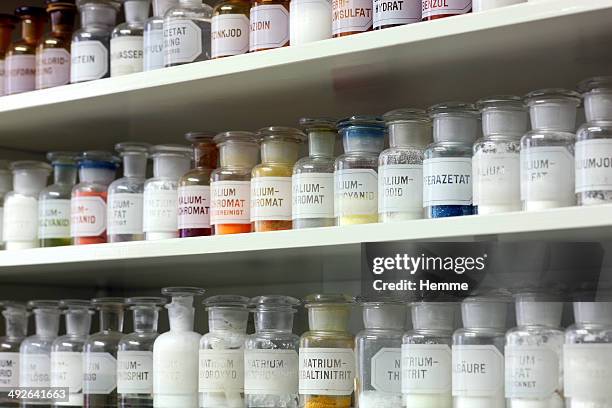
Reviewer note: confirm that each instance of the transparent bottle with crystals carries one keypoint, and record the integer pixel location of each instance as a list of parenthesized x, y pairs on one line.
[(496, 184), (547, 151), (400, 168), (187, 34), (135, 354), (153, 35), (271, 354), (313, 176), (125, 195), (6, 184), (100, 355), (230, 28), (67, 351), (7, 25), (126, 44), (16, 328), (329, 344)]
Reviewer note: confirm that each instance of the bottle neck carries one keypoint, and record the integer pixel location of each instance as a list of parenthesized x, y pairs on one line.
[(327, 318), (99, 16), (172, 167), (181, 313), (136, 11), (205, 155), (111, 319), (30, 182), (228, 318), (135, 165), (277, 320), (96, 175), (78, 322), (32, 29), (64, 174), (392, 317), (404, 134), (62, 21), (145, 319), (47, 322), (321, 143), (278, 151), (462, 129), (190, 3), (236, 154), (16, 323), (160, 7)]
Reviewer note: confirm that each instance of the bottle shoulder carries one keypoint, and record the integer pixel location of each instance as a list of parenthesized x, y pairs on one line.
[(179, 12), (312, 164), (230, 174), (68, 343), (272, 170), (56, 192), (126, 185), (357, 160), (196, 177), (137, 342), (448, 149)]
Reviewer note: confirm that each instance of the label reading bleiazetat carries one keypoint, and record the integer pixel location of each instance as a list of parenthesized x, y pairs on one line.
[(326, 371), (54, 219), (593, 165), (587, 369), (20, 73), (431, 8), (269, 27), (230, 202), (160, 210), (87, 216), (386, 370), (221, 370), (229, 35), (134, 372), (496, 178), (400, 188), (547, 174), (125, 213), (99, 373), (271, 372), (531, 372), (478, 371), (193, 207), (52, 68), (396, 12), (356, 192), (126, 55), (67, 370), (351, 16), (426, 368), (9, 370), (182, 42), (271, 199), (35, 370), (447, 181), (89, 61), (313, 195)]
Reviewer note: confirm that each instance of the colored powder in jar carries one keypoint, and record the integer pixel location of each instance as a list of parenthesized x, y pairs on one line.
[(324, 401), (441, 211)]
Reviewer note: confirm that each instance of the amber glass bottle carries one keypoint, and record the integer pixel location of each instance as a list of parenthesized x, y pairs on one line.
[(7, 25), (230, 28)]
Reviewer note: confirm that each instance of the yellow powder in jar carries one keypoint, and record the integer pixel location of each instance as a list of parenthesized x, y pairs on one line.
[(324, 401)]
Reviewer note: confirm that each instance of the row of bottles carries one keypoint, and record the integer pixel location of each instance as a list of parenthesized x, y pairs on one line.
[(435, 364)]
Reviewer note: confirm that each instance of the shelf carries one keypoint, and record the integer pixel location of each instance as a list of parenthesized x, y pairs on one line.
[(508, 50)]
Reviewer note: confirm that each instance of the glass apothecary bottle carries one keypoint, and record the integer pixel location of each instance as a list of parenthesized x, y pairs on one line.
[(187, 33), (433, 10), (125, 195), (20, 223), (447, 167), (393, 13), (16, 328), (271, 354), (594, 143), (135, 354), (7, 25), (355, 172), (100, 355), (327, 351), (547, 151), (400, 168), (160, 206), (313, 177), (534, 371), (351, 17), (88, 203), (127, 44), (175, 353), (378, 350), (6, 184), (269, 27), (53, 52), (153, 35), (54, 201), (271, 180), (90, 48), (230, 184), (309, 21), (230, 28), (67, 351), (496, 185)]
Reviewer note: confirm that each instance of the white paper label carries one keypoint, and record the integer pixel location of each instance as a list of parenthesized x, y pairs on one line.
[(99, 373), (531, 371), (594, 165), (351, 16), (134, 372), (496, 178), (447, 181), (400, 188), (230, 35), (547, 174), (193, 207), (426, 368), (478, 371), (52, 68), (176, 372), (20, 73), (269, 27), (20, 219), (230, 202), (160, 210), (67, 370), (125, 213), (153, 49), (54, 219), (221, 371), (273, 372), (126, 55), (356, 192), (386, 370), (313, 195), (35, 370), (326, 371), (87, 216), (182, 42), (587, 369), (391, 12), (271, 199), (444, 7), (2, 76), (89, 61), (9, 370)]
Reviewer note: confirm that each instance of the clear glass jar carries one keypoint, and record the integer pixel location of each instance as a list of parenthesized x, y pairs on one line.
[(269, 24), (327, 344), (484, 5), (547, 151), (153, 35), (125, 195), (400, 168), (126, 44), (15, 330), (187, 33), (6, 184), (7, 25), (355, 172), (496, 185), (230, 184), (271, 180), (313, 177), (447, 164), (309, 21), (230, 28), (271, 354), (135, 354), (393, 14)]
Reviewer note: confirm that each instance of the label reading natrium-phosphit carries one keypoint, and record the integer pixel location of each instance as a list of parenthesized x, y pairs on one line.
[(386, 370), (478, 371), (271, 199), (447, 181), (182, 42), (396, 12), (9, 370), (269, 27), (125, 213), (193, 207), (35, 370), (229, 35), (431, 8), (89, 61), (426, 368), (356, 192), (531, 371), (313, 195), (221, 371), (52, 68), (272, 372), (547, 174), (593, 165), (496, 178), (326, 371), (134, 372), (67, 370), (587, 369), (126, 55), (351, 16), (54, 219), (230, 202), (99, 373), (87, 216), (400, 188)]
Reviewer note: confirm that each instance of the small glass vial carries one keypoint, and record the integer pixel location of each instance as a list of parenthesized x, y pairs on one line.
[(6, 184), (269, 21), (67, 351), (355, 172), (88, 203), (547, 151), (91, 44), (175, 353), (484, 5), (534, 373), (170, 162), (309, 20), (496, 186), (378, 350), (271, 354), (126, 44), (400, 168), (393, 13), (447, 168), (351, 17), (135, 354), (230, 28), (221, 377), (313, 177), (16, 328), (35, 351), (187, 33), (478, 362), (100, 355), (433, 10), (271, 180), (53, 52), (20, 224), (153, 35), (587, 356), (54, 201), (230, 184), (327, 351), (125, 195), (20, 59), (594, 143), (426, 355), (7, 25)]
